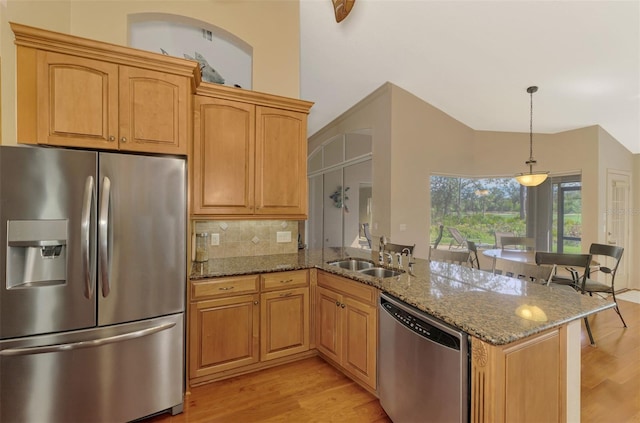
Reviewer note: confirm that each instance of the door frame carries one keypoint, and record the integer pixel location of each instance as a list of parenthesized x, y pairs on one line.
[(617, 219)]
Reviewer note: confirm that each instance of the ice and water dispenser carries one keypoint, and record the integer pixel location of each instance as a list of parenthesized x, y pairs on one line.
[(36, 253)]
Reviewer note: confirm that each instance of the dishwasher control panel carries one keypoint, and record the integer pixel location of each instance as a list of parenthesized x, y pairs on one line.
[(420, 326)]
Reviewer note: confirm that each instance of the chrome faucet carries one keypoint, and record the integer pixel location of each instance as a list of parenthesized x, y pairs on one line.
[(389, 260)]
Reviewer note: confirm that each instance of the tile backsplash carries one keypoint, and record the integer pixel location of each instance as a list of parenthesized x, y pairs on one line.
[(249, 237)]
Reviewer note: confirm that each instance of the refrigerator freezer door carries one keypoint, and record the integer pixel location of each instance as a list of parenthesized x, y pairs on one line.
[(142, 237), (113, 374), (47, 240)]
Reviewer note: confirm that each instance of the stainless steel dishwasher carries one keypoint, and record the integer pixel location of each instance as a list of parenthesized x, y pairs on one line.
[(423, 366)]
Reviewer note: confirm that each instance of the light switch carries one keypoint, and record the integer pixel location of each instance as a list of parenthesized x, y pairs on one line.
[(284, 236)]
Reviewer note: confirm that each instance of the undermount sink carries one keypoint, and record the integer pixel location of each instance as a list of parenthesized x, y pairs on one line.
[(352, 264), (380, 272)]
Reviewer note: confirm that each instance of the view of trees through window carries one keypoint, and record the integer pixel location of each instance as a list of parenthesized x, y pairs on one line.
[(476, 207)]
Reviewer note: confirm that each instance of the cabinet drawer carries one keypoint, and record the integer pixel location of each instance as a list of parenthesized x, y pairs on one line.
[(224, 287), (284, 280), (354, 289)]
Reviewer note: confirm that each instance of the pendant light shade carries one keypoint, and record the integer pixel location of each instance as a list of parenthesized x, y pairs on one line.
[(531, 178)]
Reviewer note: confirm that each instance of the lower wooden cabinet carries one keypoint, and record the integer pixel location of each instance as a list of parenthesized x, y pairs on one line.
[(284, 323), (238, 323), (347, 325), (520, 382), (224, 334)]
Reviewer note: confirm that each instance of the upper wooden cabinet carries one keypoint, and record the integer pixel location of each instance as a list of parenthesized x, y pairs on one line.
[(76, 92), (250, 154)]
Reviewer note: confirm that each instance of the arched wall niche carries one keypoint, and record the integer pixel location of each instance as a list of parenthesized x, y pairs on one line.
[(226, 58)]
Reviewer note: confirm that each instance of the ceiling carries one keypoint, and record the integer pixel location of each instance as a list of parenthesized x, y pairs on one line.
[(475, 59)]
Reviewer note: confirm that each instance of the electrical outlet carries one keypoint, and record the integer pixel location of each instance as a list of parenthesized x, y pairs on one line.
[(284, 236), (215, 239)]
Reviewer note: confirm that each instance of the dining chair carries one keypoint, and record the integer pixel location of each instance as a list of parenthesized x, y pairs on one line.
[(570, 272), (439, 237), (499, 236), (518, 243), (540, 274), (474, 259), (458, 240), (449, 256), (603, 254)]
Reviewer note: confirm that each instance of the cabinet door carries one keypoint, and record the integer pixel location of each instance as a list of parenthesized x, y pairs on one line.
[(224, 334), (77, 101), (360, 340), (223, 157), (284, 323), (281, 162), (328, 324), (154, 110)]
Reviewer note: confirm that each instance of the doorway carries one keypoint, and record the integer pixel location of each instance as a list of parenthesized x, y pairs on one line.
[(617, 220)]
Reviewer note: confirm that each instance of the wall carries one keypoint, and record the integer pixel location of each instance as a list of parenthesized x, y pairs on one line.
[(426, 141), (372, 113), (271, 27), (635, 222)]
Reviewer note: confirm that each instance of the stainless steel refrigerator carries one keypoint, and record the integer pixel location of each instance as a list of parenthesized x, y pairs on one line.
[(93, 285)]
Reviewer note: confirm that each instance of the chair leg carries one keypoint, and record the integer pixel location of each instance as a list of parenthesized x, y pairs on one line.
[(618, 309), (586, 323)]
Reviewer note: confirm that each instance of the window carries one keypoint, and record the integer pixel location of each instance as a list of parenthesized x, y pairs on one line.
[(477, 207)]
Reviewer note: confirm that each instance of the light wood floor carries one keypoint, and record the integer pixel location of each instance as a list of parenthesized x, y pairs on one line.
[(313, 391)]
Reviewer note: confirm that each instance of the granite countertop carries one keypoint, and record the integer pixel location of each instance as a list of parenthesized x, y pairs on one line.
[(477, 302)]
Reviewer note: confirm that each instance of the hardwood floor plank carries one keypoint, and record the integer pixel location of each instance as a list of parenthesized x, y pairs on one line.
[(312, 390)]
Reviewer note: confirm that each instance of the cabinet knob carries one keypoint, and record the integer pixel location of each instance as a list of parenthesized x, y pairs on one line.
[(123, 139), (112, 138), (337, 303), (342, 305), (255, 303)]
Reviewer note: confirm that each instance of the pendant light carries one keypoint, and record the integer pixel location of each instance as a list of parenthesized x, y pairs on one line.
[(531, 178)]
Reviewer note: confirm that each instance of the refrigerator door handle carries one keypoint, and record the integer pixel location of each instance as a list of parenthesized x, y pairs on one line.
[(85, 231), (103, 236), (89, 343)]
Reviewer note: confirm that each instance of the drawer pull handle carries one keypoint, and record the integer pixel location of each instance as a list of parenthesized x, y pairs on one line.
[(286, 294), (225, 288), (286, 281)]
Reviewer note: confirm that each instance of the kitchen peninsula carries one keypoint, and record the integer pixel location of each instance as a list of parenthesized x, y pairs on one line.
[(513, 358)]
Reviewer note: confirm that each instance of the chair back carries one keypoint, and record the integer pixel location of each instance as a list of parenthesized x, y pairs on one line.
[(367, 233), (399, 248), (612, 251), (473, 254), (527, 271), (458, 239), (499, 236), (448, 256), (439, 237), (518, 243), (570, 269)]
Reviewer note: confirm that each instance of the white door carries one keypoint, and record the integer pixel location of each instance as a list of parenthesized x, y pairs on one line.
[(617, 220)]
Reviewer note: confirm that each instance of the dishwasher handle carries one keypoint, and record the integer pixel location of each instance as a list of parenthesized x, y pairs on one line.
[(421, 325)]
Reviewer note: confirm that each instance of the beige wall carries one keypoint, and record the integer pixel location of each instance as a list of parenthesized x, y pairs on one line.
[(635, 223), (271, 27)]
